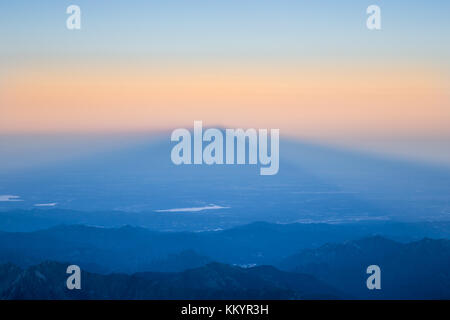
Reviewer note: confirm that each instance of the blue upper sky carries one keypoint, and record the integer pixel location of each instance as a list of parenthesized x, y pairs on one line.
[(232, 29)]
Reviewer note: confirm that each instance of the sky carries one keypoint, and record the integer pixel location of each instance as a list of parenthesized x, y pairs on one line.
[(310, 68)]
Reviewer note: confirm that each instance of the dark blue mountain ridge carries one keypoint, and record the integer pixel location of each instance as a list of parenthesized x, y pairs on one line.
[(133, 249), (415, 270), (212, 281)]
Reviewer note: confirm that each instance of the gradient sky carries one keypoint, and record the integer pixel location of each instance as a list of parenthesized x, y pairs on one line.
[(310, 68)]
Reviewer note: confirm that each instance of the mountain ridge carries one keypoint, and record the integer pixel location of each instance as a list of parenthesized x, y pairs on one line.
[(413, 270), (212, 281), (132, 249)]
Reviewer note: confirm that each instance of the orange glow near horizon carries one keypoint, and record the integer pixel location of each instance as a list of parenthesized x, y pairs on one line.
[(301, 101)]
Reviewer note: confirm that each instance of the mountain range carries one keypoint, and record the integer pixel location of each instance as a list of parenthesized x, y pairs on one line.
[(415, 270), (134, 249), (212, 281)]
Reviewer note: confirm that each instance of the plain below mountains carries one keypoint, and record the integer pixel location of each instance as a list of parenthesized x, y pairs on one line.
[(135, 182)]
